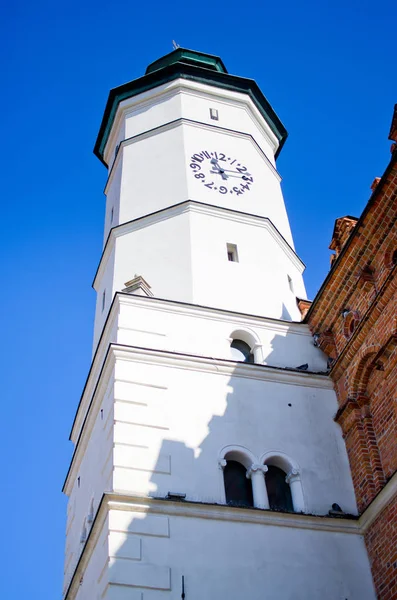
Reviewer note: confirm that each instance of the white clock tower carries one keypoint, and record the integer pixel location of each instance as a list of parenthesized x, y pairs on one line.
[(206, 457)]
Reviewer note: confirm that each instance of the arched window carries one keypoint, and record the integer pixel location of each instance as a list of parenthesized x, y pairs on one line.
[(278, 490), (238, 488), (241, 351)]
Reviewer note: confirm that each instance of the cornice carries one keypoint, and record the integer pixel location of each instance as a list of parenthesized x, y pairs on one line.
[(220, 81), (194, 207), (214, 314), (221, 512), (174, 306), (219, 366), (146, 505)]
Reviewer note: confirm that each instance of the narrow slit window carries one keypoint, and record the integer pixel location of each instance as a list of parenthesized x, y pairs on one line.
[(214, 114), (111, 215), (290, 283), (232, 255), (103, 300)]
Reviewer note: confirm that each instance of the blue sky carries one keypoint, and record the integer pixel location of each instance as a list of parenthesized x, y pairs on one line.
[(328, 69)]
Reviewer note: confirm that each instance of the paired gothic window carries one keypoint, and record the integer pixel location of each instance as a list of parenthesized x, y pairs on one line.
[(238, 488), (273, 482), (241, 351)]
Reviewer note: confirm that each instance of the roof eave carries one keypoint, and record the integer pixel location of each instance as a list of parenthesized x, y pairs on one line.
[(186, 71)]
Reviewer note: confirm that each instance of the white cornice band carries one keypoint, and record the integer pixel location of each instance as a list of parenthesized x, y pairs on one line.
[(130, 106), (140, 504), (194, 207)]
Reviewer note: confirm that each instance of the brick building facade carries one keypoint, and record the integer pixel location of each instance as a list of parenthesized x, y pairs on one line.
[(354, 321)]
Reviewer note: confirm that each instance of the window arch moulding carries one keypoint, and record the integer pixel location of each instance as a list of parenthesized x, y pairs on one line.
[(238, 453), (230, 455), (251, 338), (292, 476)]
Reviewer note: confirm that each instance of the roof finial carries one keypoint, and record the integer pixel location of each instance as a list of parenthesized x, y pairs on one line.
[(175, 45)]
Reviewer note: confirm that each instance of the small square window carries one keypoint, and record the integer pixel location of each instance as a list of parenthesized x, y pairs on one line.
[(290, 283), (232, 255), (214, 114)]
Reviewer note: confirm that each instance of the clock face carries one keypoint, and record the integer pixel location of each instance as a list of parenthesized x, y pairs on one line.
[(220, 172)]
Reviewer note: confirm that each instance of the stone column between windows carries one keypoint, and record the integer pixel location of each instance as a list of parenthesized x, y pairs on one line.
[(294, 481), (257, 475), (257, 351)]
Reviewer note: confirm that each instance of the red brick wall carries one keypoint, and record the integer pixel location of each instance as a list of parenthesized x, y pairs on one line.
[(381, 541), (355, 317)]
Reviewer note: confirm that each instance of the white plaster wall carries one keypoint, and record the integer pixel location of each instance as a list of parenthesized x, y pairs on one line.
[(154, 174), (229, 560), (105, 284), (161, 253), (193, 414), (185, 261), (94, 467), (189, 100), (182, 254), (257, 283), (233, 113), (151, 109), (167, 419), (152, 323), (264, 197), (95, 579), (112, 199)]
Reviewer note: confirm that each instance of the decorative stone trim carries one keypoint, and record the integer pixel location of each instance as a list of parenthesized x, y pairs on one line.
[(326, 342), (265, 518), (190, 206), (366, 279), (391, 256), (350, 323), (256, 473), (255, 468), (292, 476), (138, 286), (222, 462)]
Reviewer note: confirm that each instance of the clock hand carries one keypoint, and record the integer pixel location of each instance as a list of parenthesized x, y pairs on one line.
[(216, 164), (220, 171), (239, 172), (230, 174)]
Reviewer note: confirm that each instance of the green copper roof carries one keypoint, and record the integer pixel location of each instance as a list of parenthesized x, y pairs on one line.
[(199, 59), (193, 66)]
